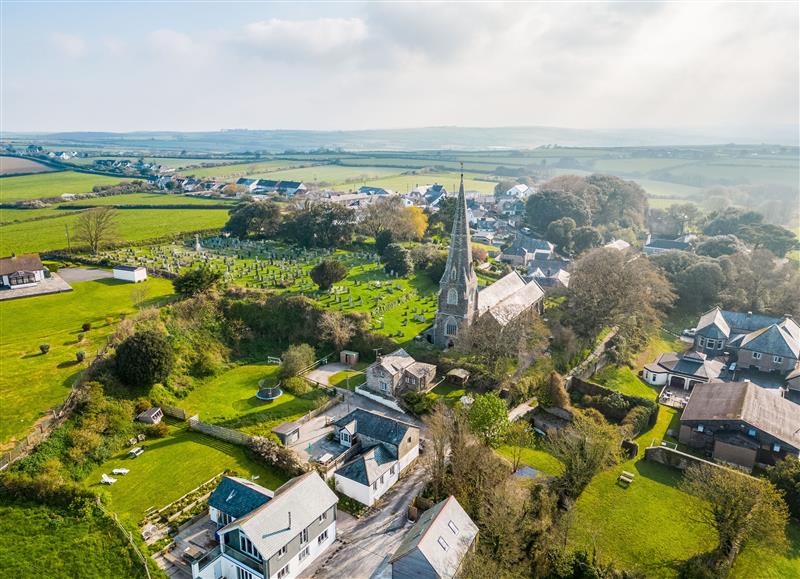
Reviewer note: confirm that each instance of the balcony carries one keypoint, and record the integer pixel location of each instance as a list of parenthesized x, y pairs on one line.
[(256, 566)]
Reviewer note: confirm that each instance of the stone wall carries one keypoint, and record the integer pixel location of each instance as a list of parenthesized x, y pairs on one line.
[(674, 458)]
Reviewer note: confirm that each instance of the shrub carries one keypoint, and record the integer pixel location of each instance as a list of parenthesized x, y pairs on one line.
[(420, 403), (196, 282), (274, 454), (297, 386), (382, 240), (295, 359), (207, 363), (80, 356), (86, 326), (159, 430), (144, 359), (44, 348), (327, 273), (636, 421), (141, 405), (397, 259)]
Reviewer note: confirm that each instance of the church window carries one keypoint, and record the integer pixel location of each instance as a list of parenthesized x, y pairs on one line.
[(451, 328), (452, 297), (453, 274)]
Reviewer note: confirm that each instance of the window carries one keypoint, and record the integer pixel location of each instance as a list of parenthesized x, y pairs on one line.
[(303, 554), (756, 355), (451, 328), (304, 536), (700, 428), (751, 432), (776, 447), (382, 478), (281, 552), (452, 297), (248, 547), (392, 469), (322, 517), (283, 572), (21, 278), (453, 527), (777, 359), (720, 344), (702, 341), (384, 386), (375, 486), (322, 537), (224, 519), (711, 344), (443, 544), (242, 574), (453, 274), (344, 437)]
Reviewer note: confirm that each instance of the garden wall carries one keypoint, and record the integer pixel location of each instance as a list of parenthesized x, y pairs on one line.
[(226, 434), (674, 458), (379, 399)]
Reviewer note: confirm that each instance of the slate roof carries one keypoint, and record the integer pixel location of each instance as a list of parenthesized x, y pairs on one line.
[(668, 244), (547, 267), (508, 297), (278, 184), (618, 244), (23, 262), (712, 324), (369, 465), (766, 334), (374, 190), (774, 340), (694, 364), (531, 244), (761, 408), (376, 426), (294, 506), (238, 496), (445, 522), (743, 322)]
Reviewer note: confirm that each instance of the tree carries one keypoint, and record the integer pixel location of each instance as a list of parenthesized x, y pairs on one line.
[(553, 393), (139, 294), (519, 437), (417, 222), (96, 227), (397, 259), (390, 214), (196, 281), (327, 273), (439, 423), (588, 445), (442, 220), (718, 245), (730, 221), (756, 281), (619, 203), (488, 418), (699, 285), (546, 206), (740, 508), (335, 328), (260, 219), (320, 225), (296, 359), (559, 232), (144, 359), (384, 238), (775, 238), (785, 475), (585, 238)]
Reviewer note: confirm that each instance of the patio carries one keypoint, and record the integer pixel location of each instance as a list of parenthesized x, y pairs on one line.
[(196, 539)]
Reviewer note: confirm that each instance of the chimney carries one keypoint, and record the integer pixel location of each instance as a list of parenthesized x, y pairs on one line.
[(290, 519)]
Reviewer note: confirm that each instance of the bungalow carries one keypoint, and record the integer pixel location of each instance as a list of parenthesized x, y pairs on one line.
[(368, 190), (268, 535), (387, 447), (437, 544), (18, 271), (525, 249), (249, 184), (682, 370), (397, 373), (656, 246), (741, 423)]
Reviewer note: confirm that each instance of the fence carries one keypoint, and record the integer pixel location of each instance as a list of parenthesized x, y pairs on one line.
[(128, 535), (220, 432), (175, 412)]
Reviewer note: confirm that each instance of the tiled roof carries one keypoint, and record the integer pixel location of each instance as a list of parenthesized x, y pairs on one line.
[(376, 426), (237, 496), (24, 262), (773, 340), (369, 466)]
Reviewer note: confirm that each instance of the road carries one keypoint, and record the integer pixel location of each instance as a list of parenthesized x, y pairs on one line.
[(362, 544)]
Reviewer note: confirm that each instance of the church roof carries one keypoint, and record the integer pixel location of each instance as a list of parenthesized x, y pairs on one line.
[(459, 257), (508, 297)]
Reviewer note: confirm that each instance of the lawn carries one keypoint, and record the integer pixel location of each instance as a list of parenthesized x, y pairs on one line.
[(50, 185), (230, 400), (32, 383), (49, 542), (132, 225), (535, 458), (238, 169), (449, 393), (149, 199), (171, 467), (330, 174), (356, 377)]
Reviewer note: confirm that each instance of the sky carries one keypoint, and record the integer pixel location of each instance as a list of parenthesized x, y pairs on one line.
[(188, 66)]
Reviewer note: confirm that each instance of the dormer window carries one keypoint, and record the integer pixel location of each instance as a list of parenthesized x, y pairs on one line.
[(344, 438)]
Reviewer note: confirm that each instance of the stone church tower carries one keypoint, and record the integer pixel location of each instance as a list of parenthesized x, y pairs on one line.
[(458, 288)]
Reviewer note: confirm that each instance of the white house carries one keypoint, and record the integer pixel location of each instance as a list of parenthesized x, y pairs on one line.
[(387, 448), (18, 271), (132, 273), (268, 535)]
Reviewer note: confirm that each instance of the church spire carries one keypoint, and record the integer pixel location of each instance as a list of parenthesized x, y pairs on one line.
[(460, 254)]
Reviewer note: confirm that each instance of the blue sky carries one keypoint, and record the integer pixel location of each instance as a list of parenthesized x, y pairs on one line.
[(206, 66)]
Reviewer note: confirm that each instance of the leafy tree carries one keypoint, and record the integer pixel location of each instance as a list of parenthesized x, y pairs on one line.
[(718, 245), (417, 222), (196, 281), (320, 225), (546, 206), (775, 238), (259, 219), (327, 273), (390, 214), (619, 203), (585, 238), (740, 508), (96, 227), (559, 232), (730, 221), (785, 475), (397, 259), (442, 220), (144, 359), (384, 238), (699, 285), (519, 437), (435, 267), (755, 281), (488, 418), (296, 359)]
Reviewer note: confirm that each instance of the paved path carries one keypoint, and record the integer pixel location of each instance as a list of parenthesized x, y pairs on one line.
[(75, 274), (49, 285), (362, 544), (323, 373)]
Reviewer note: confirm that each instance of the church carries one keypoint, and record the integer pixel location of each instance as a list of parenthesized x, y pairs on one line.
[(462, 302)]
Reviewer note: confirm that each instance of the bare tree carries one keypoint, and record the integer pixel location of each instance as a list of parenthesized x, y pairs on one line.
[(96, 227), (139, 295), (519, 437), (440, 425), (335, 328)]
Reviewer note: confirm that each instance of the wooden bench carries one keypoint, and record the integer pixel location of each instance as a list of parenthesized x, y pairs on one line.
[(626, 477)]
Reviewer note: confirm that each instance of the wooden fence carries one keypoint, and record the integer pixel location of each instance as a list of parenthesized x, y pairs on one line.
[(220, 432)]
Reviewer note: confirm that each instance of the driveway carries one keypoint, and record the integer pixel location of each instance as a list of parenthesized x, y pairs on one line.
[(76, 274), (320, 375), (362, 544)]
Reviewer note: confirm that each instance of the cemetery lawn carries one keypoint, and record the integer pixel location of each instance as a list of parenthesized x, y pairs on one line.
[(54, 542), (171, 467), (50, 184), (31, 382), (229, 400)]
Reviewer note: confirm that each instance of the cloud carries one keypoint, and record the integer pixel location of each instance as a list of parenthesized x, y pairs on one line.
[(69, 44), (174, 44), (319, 38)]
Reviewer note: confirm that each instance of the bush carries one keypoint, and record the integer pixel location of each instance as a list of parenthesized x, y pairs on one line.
[(296, 386), (86, 326), (636, 421), (276, 455), (383, 240), (419, 402), (80, 356), (196, 282), (295, 359), (141, 405), (44, 348), (159, 430), (144, 359), (397, 259), (327, 273), (207, 363)]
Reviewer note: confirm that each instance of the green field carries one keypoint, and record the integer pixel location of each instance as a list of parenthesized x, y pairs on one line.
[(405, 183), (51, 542), (133, 225), (330, 174), (171, 467), (31, 382), (150, 199), (50, 185), (239, 169)]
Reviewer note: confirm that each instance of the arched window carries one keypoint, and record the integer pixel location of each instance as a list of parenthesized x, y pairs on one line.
[(452, 297), (453, 274), (451, 328)]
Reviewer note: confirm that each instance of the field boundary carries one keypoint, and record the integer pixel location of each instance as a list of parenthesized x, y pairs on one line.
[(128, 535)]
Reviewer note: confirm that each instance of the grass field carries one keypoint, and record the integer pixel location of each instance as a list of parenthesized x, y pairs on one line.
[(150, 199), (31, 383), (50, 185), (171, 467), (535, 458), (15, 165), (239, 169), (330, 174), (405, 183), (132, 225), (51, 542)]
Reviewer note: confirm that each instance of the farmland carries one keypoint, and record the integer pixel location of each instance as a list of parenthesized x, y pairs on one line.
[(329, 174), (51, 184), (405, 183), (232, 170), (15, 165), (149, 199), (56, 320)]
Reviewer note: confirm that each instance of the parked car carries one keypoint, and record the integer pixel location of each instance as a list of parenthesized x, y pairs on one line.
[(690, 332)]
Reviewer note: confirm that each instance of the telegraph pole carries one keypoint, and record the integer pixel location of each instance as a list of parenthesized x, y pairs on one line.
[(66, 229)]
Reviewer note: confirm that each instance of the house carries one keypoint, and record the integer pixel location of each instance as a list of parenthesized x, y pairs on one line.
[(268, 535), (437, 544), (683, 370), (741, 423), (434, 195), (618, 244), (525, 249), (249, 184), (397, 373), (551, 274), (288, 188), (385, 448), (132, 273), (510, 207), (793, 380), (368, 190), (18, 271), (151, 415), (519, 191), (655, 246), (753, 341)]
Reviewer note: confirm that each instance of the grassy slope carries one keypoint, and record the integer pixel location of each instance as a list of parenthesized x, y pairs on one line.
[(172, 466), (53, 543), (50, 185), (132, 225), (31, 383)]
